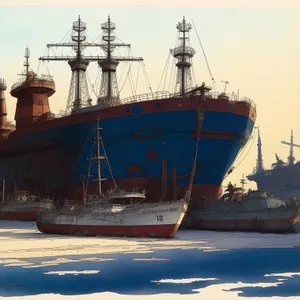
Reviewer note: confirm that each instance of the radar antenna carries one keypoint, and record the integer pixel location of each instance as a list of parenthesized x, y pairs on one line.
[(225, 87)]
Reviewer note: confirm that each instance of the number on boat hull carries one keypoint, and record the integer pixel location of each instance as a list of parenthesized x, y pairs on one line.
[(159, 218)]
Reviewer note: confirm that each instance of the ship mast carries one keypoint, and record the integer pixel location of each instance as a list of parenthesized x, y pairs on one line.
[(184, 54), (109, 91), (79, 29), (99, 157), (98, 139), (243, 181), (78, 92), (291, 157), (259, 163), (26, 64)]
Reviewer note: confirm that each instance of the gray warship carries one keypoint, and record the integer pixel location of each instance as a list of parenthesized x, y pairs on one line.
[(238, 210)]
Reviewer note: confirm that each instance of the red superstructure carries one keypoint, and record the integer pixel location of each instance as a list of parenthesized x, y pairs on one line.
[(32, 94)]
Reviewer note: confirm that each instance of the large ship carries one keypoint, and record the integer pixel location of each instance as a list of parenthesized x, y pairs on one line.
[(145, 134), (283, 178)]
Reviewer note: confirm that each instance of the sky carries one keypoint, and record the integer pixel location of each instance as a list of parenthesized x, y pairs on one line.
[(159, 3), (254, 45)]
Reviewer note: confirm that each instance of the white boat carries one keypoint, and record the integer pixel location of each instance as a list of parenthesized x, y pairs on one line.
[(23, 207), (115, 213)]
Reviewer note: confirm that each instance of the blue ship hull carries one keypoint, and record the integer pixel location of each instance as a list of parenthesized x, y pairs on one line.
[(54, 161)]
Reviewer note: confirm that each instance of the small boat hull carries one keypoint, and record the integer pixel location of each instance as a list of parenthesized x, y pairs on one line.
[(255, 211), (158, 231), (18, 215), (255, 225), (277, 220), (23, 211), (149, 220)]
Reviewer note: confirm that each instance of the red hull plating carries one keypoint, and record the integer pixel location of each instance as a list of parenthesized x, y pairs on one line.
[(157, 231), (172, 104), (18, 216), (275, 225)]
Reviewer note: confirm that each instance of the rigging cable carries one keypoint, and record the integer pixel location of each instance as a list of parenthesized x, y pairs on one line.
[(89, 169), (171, 75), (165, 67), (91, 84), (131, 80), (126, 77), (193, 76), (81, 151), (244, 148), (97, 80), (166, 72), (108, 164), (173, 81), (146, 78), (125, 63), (253, 137), (137, 77), (39, 64), (253, 140), (205, 57), (175, 77), (67, 34), (131, 84)]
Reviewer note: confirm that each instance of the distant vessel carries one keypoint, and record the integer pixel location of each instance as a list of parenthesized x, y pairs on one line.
[(116, 212), (283, 179), (22, 206), (253, 211)]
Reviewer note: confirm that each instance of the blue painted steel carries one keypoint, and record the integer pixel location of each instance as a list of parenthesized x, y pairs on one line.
[(127, 139), (171, 139)]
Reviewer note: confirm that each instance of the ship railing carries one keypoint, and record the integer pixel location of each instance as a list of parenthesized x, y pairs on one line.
[(232, 97), (166, 94), (183, 50), (39, 79), (147, 97)]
